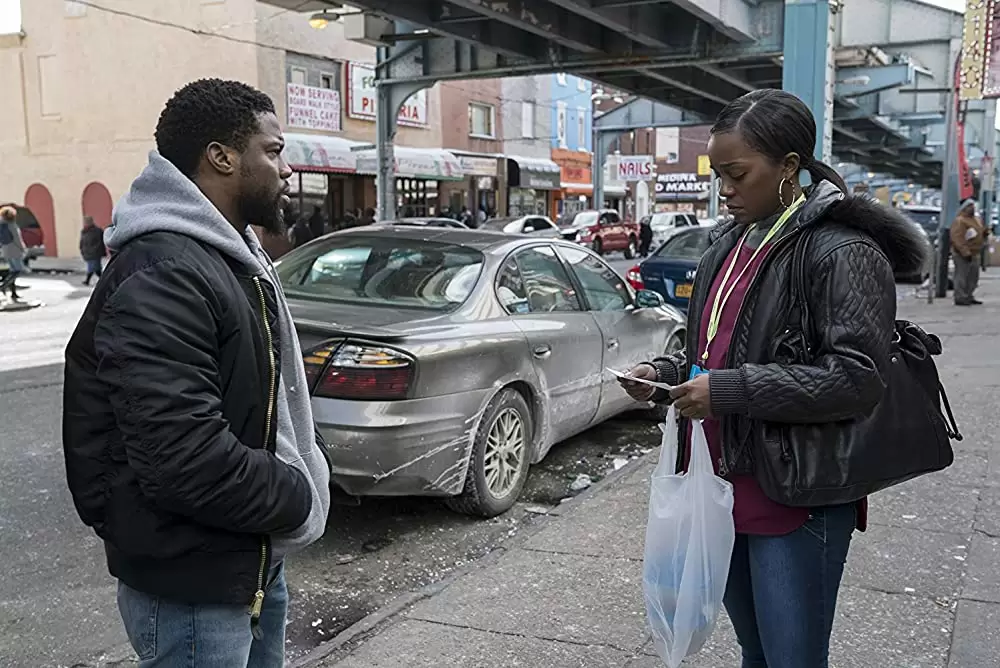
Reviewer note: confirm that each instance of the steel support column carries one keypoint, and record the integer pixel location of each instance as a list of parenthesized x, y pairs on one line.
[(390, 97), (949, 185), (603, 139), (808, 66)]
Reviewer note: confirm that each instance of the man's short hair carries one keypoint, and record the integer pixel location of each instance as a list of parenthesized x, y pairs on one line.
[(206, 111)]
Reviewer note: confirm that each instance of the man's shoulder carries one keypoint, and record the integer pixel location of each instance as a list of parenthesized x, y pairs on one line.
[(163, 254)]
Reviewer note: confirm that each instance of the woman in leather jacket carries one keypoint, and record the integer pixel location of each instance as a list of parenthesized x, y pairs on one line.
[(787, 562)]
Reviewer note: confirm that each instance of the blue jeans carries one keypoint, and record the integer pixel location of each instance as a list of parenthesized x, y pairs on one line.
[(782, 590), (166, 634)]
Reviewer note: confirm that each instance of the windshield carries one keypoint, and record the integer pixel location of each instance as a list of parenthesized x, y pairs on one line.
[(379, 271), (661, 220), (584, 218), (926, 219), (687, 245)]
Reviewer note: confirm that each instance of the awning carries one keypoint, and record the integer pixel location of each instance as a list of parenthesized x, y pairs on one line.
[(535, 173), (433, 164), (319, 153)]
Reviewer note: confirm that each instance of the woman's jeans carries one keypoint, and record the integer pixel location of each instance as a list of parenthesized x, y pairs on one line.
[(782, 590), (166, 634)]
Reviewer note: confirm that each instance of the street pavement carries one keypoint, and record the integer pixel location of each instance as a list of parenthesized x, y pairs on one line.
[(921, 590)]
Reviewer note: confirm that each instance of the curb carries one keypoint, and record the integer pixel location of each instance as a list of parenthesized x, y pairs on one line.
[(369, 625)]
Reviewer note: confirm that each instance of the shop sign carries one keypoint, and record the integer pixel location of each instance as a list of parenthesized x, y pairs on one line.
[(473, 166), (313, 108), (540, 180), (361, 98), (673, 185), (636, 168)]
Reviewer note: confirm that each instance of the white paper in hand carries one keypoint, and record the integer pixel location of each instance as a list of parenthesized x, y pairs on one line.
[(653, 383)]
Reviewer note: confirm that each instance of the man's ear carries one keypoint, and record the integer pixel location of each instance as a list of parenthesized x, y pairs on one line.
[(221, 158)]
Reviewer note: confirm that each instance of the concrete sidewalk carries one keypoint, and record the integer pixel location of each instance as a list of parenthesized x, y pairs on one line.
[(922, 588)]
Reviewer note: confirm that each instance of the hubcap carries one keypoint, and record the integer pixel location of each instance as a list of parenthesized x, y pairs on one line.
[(674, 345), (504, 452)]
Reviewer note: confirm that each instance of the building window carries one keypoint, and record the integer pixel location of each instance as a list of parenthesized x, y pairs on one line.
[(298, 76), (561, 123), (581, 84), (481, 120), (581, 129), (327, 80), (561, 78), (528, 120)]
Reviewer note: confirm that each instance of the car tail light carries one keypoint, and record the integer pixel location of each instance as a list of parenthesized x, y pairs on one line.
[(634, 278), (349, 370)]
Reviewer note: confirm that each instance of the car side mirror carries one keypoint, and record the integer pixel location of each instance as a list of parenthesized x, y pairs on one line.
[(649, 299)]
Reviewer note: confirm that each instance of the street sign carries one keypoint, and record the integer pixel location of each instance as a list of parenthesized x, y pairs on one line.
[(636, 168), (704, 166)]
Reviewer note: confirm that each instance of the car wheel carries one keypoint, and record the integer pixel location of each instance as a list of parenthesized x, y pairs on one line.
[(630, 250), (598, 246), (498, 465)]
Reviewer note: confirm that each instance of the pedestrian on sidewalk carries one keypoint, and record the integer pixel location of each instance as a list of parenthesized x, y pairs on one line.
[(968, 237), (740, 374), (11, 250), (92, 249), (188, 433)]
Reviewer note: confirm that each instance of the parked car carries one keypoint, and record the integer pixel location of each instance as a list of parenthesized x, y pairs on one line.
[(31, 232), (926, 217), (603, 232), (535, 226), (670, 271), (446, 362), (664, 225)]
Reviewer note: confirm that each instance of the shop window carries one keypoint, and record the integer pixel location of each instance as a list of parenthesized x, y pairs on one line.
[(481, 120), (561, 123), (528, 120)]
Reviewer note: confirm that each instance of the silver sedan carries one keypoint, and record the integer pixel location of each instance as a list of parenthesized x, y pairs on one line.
[(445, 362)]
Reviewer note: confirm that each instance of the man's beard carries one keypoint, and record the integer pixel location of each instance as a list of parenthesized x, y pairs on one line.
[(263, 211)]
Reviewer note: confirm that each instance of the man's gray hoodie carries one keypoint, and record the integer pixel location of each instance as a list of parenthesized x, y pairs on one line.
[(163, 199)]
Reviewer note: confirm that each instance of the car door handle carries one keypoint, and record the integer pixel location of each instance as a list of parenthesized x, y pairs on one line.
[(612, 344), (541, 352)]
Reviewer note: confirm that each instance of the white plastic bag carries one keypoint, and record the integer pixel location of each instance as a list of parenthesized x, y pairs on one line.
[(689, 542)]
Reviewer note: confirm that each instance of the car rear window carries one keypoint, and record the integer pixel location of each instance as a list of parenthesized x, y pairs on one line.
[(685, 245), (406, 273)]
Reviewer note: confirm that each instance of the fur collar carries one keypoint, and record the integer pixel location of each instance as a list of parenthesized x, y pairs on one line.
[(903, 241)]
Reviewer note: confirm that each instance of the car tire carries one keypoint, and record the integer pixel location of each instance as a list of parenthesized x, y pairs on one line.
[(506, 416), (630, 249), (597, 246)]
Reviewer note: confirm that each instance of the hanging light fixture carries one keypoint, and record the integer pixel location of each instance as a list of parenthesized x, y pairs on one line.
[(321, 20)]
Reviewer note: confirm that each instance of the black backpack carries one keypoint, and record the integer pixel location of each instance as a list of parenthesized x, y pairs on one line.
[(907, 435)]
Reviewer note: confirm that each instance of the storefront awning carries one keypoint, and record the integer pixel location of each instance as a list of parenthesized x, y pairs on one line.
[(320, 153), (433, 164), (534, 173)]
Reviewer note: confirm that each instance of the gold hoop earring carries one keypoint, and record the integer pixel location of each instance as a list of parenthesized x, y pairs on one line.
[(781, 187)]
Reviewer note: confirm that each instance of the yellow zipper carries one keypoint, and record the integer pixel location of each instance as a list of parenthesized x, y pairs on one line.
[(258, 598)]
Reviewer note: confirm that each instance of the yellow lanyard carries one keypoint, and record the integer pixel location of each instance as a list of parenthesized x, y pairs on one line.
[(722, 295)]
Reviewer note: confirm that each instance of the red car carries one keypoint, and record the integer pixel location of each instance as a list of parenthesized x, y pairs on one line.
[(603, 231)]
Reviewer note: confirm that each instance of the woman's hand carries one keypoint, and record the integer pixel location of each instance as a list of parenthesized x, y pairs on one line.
[(694, 398), (639, 391)]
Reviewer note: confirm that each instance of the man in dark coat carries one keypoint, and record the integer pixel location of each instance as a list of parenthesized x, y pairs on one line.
[(92, 249)]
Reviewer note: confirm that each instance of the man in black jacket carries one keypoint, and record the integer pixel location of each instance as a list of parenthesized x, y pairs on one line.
[(188, 433)]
